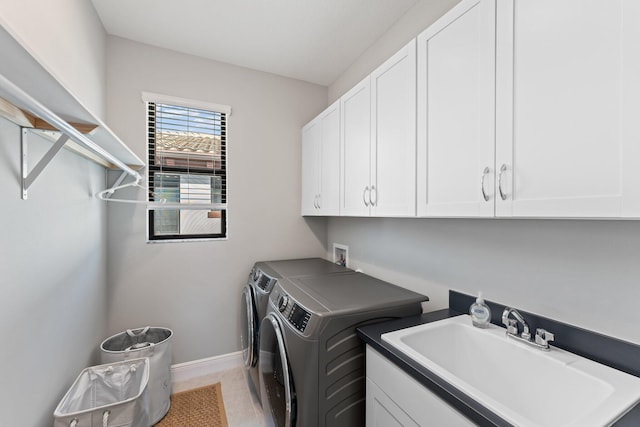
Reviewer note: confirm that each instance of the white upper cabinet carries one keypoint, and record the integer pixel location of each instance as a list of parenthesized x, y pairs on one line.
[(321, 163), (567, 107), (456, 119), (526, 108), (393, 135), (379, 142), (355, 111), (501, 108), (329, 201), (310, 167)]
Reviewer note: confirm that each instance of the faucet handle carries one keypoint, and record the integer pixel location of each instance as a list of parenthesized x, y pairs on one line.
[(505, 316), (543, 337), (512, 326)]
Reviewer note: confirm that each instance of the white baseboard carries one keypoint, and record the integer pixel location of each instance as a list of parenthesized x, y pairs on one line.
[(211, 365)]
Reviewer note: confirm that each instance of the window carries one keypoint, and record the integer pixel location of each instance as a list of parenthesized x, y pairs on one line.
[(187, 166)]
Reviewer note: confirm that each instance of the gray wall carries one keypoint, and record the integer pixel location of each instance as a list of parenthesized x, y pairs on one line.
[(53, 273), (582, 272), (194, 288), (67, 38), (53, 298), (419, 17)]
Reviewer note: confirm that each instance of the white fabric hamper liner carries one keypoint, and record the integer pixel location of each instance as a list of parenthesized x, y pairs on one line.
[(107, 396), (151, 342)]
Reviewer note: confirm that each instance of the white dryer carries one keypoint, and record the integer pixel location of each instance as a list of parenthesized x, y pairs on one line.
[(312, 363)]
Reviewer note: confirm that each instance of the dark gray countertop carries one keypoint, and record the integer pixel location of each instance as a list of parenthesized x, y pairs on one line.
[(371, 335)]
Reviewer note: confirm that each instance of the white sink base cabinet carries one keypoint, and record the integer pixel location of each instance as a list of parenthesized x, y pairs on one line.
[(396, 399)]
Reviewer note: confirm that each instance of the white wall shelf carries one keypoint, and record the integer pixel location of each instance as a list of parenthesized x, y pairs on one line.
[(20, 67)]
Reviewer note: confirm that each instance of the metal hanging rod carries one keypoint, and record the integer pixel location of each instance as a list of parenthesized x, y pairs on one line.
[(17, 96)]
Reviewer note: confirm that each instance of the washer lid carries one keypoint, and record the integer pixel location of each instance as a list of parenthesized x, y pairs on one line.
[(355, 292), (305, 267)]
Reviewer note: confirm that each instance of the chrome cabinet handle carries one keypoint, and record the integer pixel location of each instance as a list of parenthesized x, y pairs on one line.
[(503, 169), (364, 196), (318, 197), (315, 201), (373, 202), (485, 172)]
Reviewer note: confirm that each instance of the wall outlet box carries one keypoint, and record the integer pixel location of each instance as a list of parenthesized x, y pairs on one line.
[(341, 254)]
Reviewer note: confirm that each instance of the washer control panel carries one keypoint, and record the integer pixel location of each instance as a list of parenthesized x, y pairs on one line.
[(299, 317), (262, 280), (293, 313)]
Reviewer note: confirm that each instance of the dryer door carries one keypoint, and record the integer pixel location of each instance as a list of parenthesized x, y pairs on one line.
[(249, 331), (276, 384)]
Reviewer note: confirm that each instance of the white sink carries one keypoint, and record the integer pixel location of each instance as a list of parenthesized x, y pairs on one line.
[(522, 384)]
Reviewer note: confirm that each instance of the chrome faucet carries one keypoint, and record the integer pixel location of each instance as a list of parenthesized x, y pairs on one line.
[(512, 324), (542, 337)]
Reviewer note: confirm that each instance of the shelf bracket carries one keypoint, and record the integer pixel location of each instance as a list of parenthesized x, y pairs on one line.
[(29, 177)]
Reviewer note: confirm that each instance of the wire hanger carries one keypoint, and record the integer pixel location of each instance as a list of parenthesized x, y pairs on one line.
[(106, 194), (159, 204)]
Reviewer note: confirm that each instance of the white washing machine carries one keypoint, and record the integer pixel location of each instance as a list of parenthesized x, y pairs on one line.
[(255, 298), (312, 363)]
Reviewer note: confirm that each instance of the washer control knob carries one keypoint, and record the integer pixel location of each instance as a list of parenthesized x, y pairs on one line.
[(282, 303)]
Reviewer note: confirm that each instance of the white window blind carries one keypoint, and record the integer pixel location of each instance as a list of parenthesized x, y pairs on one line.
[(187, 166)]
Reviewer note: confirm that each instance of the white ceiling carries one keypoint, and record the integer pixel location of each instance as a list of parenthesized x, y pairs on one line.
[(310, 40)]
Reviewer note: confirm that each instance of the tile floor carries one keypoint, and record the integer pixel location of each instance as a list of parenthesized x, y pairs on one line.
[(240, 402)]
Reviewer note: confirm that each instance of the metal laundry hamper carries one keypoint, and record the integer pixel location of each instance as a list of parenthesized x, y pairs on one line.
[(151, 342), (107, 395)]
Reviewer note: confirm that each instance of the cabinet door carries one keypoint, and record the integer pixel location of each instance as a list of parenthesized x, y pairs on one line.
[(393, 135), (311, 141), (567, 100), (329, 200), (381, 411), (398, 399), (456, 119), (355, 112)]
